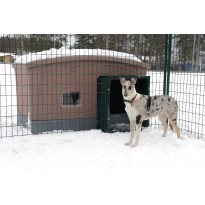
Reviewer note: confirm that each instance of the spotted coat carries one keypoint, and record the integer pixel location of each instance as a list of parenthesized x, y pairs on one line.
[(141, 107)]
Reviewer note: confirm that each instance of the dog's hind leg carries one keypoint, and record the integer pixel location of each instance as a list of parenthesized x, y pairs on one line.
[(163, 119), (132, 131), (171, 127), (174, 124), (173, 120)]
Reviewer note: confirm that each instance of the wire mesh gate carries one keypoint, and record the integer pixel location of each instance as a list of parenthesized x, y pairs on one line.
[(49, 82)]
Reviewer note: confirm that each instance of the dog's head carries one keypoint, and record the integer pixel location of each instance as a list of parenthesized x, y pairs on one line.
[(128, 87)]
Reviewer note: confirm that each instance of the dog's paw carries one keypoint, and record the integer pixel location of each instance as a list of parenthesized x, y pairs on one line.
[(128, 143)]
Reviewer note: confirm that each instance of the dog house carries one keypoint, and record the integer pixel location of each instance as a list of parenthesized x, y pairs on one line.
[(59, 92), (111, 115)]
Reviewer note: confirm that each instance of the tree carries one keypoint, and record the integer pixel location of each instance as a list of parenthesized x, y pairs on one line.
[(31, 42)]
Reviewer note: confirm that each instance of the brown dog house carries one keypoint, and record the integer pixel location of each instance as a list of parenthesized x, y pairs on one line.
[(61, 93)]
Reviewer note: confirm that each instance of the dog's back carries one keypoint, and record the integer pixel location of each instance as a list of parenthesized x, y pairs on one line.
[(153, 106)]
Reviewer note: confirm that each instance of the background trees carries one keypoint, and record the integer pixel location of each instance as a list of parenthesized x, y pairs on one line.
[(20, 44), (186, 48)]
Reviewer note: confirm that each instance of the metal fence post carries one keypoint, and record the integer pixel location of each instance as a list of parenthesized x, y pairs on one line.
[(165, 65), (169, 62)]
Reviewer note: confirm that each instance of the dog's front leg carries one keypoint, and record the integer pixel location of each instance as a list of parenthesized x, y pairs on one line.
[(137, 136), (138, 129), (132, 131)]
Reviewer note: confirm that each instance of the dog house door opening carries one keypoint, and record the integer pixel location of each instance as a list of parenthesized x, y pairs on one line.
[(111, 114), (118, 117)]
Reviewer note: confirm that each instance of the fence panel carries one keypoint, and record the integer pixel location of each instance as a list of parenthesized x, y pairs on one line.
[(187, 82), (49, 82)]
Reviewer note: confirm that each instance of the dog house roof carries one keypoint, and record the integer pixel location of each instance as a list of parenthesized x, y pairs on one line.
[(54, 53), (64, 54)]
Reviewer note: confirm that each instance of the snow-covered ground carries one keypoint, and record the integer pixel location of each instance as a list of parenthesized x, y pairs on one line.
[(92, 167), (97, 150)]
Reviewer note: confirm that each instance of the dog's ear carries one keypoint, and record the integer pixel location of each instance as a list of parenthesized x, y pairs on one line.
[(133, 80), (122, 80)]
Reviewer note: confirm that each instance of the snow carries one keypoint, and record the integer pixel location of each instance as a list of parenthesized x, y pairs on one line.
[(92, 167), (97, 150), (53, 53), (6, 54)]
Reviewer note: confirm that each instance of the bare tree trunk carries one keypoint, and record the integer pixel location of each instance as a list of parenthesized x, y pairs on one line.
[(192, 61), (116, 42)]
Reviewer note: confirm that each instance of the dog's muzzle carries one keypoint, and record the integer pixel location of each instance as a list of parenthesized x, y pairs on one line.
[(125, 94)]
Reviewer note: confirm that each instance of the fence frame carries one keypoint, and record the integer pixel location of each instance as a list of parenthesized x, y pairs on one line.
[(167, 63)]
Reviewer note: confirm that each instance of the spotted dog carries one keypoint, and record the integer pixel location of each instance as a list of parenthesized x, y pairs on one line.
[(142, 107)]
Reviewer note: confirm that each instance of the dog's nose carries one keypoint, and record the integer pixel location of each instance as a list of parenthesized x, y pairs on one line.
[(125, 94)]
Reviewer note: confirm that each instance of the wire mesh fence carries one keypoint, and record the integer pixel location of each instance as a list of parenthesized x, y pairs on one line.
[(49, 82), (187, 82)]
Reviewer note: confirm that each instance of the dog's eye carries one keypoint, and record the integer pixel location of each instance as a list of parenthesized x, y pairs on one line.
[(124, 87), (129, 87)]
